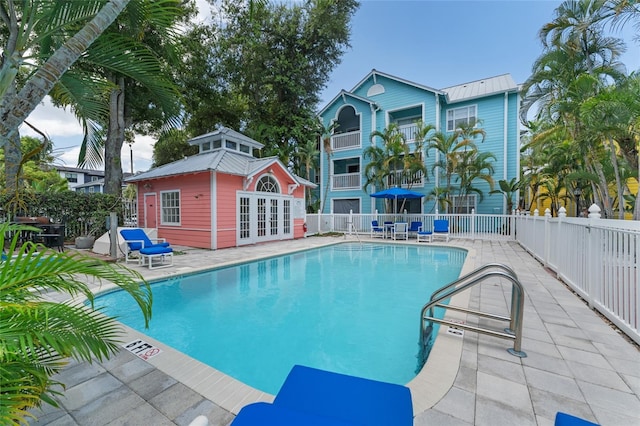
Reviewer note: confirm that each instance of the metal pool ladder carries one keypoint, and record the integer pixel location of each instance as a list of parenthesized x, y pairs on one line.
[(490, 270)]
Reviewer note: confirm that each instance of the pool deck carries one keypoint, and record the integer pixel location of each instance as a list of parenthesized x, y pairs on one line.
[(577, 363)]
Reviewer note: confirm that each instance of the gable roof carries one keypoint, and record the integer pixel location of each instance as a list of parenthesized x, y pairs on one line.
[(345, 93), (480, 88), (221, 160), (374, 73), (458, 93)]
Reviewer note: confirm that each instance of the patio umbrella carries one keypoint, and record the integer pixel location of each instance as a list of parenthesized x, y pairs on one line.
[(395, 194)]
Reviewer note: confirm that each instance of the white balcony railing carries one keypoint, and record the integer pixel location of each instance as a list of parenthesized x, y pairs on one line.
[(346, 181), (346, 141), (409, 131), (397, 179)]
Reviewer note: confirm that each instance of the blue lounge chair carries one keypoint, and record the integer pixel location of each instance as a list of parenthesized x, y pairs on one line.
[(415, 227), (138, 242), (425, 236), (441, 229), (315, 397), (376, 230), (563, 419)]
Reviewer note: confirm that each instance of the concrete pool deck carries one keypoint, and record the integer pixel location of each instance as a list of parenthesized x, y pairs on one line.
[(576, 363)]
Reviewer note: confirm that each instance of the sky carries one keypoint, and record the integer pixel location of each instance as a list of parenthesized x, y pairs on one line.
[(433, 43)]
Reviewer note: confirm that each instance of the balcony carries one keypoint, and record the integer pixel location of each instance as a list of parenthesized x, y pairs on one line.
[(346, 181), (348, 140), (397, 179), (409, 131)]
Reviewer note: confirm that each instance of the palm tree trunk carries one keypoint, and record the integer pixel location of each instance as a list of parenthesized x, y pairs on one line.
[(616, 171), (114, 141), (15, 109), (636, 208), (604, 189)]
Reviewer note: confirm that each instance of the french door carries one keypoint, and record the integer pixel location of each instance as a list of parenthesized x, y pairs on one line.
[(263, 216)]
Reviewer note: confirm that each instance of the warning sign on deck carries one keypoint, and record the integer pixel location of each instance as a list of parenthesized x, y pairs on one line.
[(142, 349)]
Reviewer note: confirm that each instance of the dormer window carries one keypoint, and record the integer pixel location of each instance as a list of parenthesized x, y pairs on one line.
[(245, 149), (206, 146), (231, 145)]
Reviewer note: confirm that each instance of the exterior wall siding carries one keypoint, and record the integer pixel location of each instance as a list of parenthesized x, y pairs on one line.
[(195, 216), (399, 95), (225, 205)]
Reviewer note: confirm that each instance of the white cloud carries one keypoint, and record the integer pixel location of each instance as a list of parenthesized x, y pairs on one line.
[(142, 154), (65, 132), (52, 121)]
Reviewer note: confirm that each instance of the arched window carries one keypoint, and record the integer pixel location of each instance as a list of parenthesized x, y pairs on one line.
[(348, 120), (268, 184)]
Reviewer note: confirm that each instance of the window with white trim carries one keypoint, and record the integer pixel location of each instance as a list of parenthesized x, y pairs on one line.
[(268, 184), (460, 116), (170, 207)]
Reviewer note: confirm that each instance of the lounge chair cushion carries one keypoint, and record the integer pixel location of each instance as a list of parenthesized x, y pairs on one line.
[(156, 250), (136, 239), (262, 413), (354, 400), (563, 419)]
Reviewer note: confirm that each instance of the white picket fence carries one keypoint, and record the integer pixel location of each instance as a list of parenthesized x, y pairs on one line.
[(470, 226), (597, 258)]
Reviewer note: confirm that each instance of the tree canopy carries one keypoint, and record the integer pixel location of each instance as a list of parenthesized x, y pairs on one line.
[(263, 69)]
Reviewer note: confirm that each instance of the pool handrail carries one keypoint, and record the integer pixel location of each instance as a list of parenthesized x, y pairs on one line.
[(513, 332)]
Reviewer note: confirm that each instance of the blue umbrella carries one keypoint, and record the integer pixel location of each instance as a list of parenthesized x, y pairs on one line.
[(395, 194)]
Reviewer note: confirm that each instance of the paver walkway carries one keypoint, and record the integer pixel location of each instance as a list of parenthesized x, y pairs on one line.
[(576, 362)]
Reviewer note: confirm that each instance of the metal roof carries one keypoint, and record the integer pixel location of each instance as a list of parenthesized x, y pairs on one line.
[(479, 88), (220, 160), (225, 133)]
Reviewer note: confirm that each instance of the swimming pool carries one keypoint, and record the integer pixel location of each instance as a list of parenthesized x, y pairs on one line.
[(348, 308)]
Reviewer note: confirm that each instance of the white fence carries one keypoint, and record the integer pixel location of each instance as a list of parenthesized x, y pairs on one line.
[(470, 226), (597, 258)]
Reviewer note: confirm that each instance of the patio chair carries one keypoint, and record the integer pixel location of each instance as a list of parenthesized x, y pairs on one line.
[(377, 231), (400, 231), (313, 397), (415, 227), (441, 229), (564, 419), (138, 242), (424, 236)]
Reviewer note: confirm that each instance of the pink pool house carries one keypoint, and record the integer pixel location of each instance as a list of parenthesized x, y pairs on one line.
[(223, 196)]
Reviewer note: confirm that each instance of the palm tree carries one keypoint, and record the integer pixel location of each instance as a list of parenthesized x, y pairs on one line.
[(131, 59), (474, 166), (325, 134), (59, 33), (37, 336), (575, 26), (509, 190), (393, 163), (611, 117), (449, 147), (308, 155), (46, 18)]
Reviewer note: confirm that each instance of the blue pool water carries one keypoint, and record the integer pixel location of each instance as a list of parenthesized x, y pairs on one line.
[(348, 308)]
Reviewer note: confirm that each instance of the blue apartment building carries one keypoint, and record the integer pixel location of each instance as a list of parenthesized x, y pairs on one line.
[(380, 99)]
